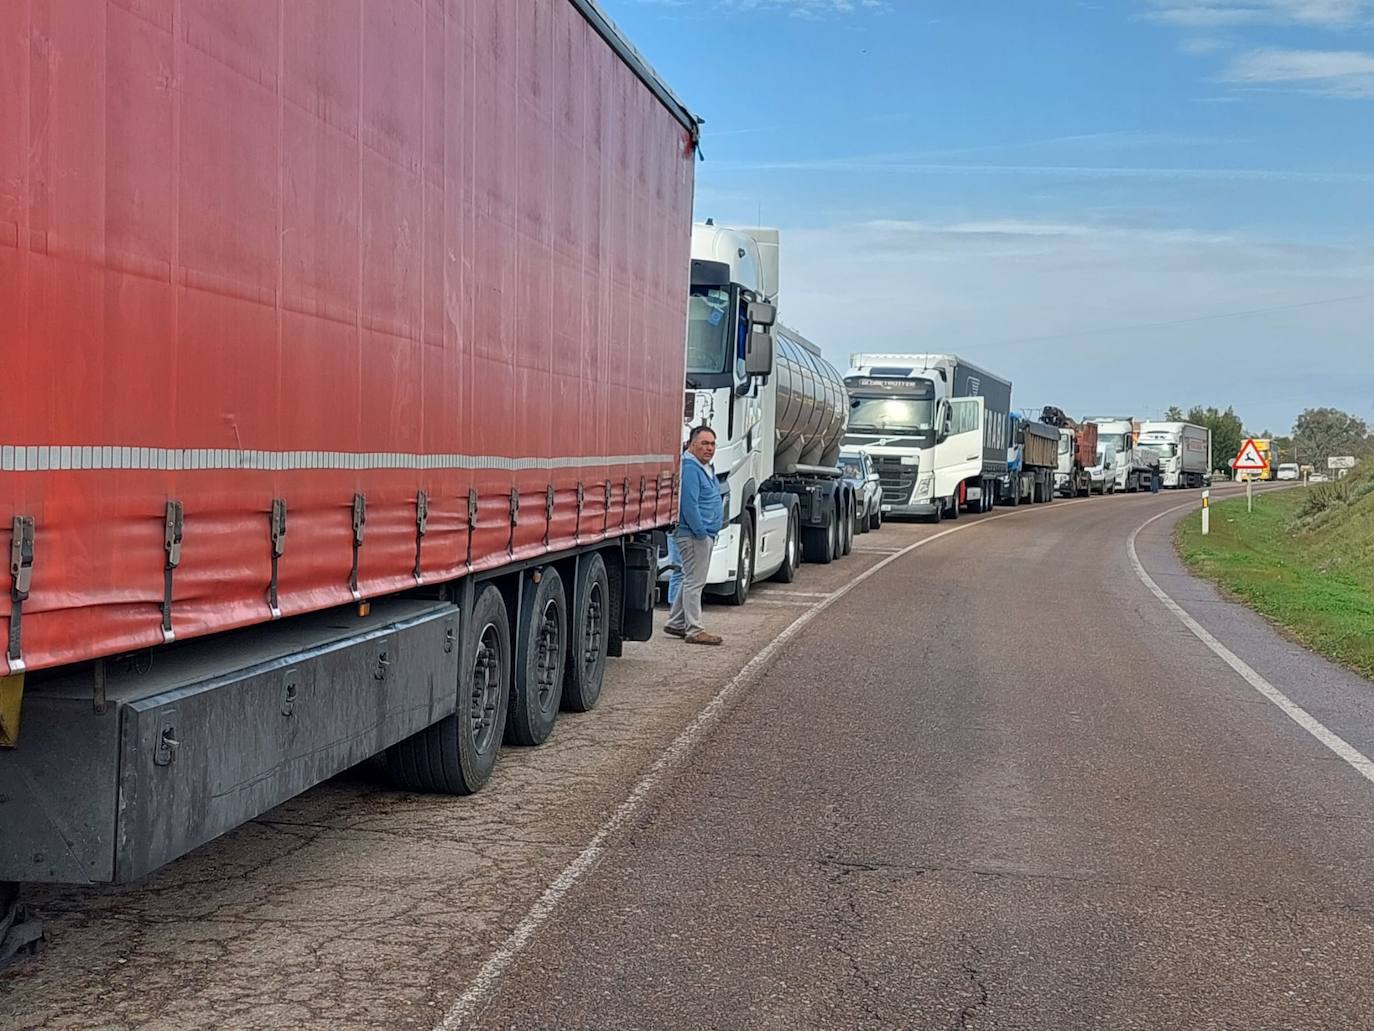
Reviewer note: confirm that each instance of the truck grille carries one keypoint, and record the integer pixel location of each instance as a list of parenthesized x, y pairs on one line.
[(897, 480)]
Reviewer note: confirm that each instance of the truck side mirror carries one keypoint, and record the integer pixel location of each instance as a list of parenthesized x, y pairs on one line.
[(761, 313), (758, 352)]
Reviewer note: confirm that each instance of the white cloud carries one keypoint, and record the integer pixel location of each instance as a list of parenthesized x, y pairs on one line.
[(1096, 316), (1200, 46), (1345, 73), (1193, 14)]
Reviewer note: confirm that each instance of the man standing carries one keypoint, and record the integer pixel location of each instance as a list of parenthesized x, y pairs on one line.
[(699, 519)]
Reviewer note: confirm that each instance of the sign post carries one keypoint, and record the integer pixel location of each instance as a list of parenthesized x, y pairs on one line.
[(1206, 512), (1250, 460)]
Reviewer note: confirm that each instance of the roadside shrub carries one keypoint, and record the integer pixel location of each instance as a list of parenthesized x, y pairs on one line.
[(1322, 497)]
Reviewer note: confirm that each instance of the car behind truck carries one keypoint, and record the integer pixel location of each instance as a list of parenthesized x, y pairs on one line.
[(349, 422)]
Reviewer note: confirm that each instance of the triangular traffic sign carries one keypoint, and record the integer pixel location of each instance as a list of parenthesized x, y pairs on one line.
[(1250, 460)]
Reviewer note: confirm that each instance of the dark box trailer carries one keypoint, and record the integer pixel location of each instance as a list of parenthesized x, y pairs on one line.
[(971, 381), (344, 352)]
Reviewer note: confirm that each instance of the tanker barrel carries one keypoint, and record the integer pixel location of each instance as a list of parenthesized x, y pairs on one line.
[(812, 408)]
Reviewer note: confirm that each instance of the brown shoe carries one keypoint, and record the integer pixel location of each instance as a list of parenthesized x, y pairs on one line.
[(702, 637), (673, 631)]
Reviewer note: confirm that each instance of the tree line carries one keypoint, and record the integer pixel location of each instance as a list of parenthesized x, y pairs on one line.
[(1318, 434)]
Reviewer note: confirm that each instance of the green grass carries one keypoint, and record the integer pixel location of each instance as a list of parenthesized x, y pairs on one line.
[(1304, 558)]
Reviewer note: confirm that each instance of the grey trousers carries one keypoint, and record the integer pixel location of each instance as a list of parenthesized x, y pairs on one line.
[(695, 553)]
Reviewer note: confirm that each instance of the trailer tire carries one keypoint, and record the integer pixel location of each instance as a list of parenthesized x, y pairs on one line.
[(540, 661), (791, 544), (820, 544), (585, 667), (456, 755), (744, 562), (816, 541)]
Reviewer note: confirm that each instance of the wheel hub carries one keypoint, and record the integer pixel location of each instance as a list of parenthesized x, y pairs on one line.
[(486, 687), (550, 647), (591, 633)]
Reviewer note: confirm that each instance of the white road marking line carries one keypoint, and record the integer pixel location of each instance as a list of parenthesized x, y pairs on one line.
[(1357, 760), (470, 1002), (771, 592)]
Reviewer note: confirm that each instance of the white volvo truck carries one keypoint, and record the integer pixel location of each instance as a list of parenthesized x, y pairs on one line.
[(938, 428), (778, 410)]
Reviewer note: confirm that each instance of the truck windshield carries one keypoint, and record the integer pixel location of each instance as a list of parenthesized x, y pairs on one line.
[(1162, 448), (881, 415), (708, 331)]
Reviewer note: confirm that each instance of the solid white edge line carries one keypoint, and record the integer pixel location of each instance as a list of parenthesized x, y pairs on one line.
[(1357, 760), (471, 1001)]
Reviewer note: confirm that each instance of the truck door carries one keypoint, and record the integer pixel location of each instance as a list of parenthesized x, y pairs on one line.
[(959, 452)]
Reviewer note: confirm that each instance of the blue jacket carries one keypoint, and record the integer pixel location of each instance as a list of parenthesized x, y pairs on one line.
[(701, 510)]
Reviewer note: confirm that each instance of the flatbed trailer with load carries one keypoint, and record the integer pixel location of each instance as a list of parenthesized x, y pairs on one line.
[(348, 424)]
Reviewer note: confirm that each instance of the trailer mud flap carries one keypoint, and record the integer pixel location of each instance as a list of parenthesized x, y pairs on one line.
[(641, 573)]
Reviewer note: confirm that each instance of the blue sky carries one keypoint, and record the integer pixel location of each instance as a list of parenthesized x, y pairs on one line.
[(1120, 204)]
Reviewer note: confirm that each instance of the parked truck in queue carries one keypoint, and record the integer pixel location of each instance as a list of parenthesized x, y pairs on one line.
[(1184, 452), (1032, 460), (1135, 466), (778, 410), (1079, 451), (938, 428), (339, 491)]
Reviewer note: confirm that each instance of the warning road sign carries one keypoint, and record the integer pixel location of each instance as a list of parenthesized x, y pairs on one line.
[(1250, 460)]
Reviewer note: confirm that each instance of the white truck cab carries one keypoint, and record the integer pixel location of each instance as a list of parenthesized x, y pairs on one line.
[(1135, 466), (777, 410), (938, 428)]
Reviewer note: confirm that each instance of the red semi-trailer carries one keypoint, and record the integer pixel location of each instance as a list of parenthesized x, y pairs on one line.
[(343, 350)]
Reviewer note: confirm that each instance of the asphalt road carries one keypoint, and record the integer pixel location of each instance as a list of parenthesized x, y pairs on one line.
[(996, 784)]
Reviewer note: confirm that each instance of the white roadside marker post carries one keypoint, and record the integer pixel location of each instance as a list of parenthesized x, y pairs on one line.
[(1206, 512)]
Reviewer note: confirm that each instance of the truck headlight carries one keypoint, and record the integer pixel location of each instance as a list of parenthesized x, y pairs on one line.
[(923, 488)]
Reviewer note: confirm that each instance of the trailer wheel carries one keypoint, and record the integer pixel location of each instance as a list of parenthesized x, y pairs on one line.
[(820, 543), (792, 543), (744, 567), (585, 667), (456, 755), (540, 661)]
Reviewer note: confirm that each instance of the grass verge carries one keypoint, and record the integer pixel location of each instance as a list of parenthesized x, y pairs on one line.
[(1317, 583)]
